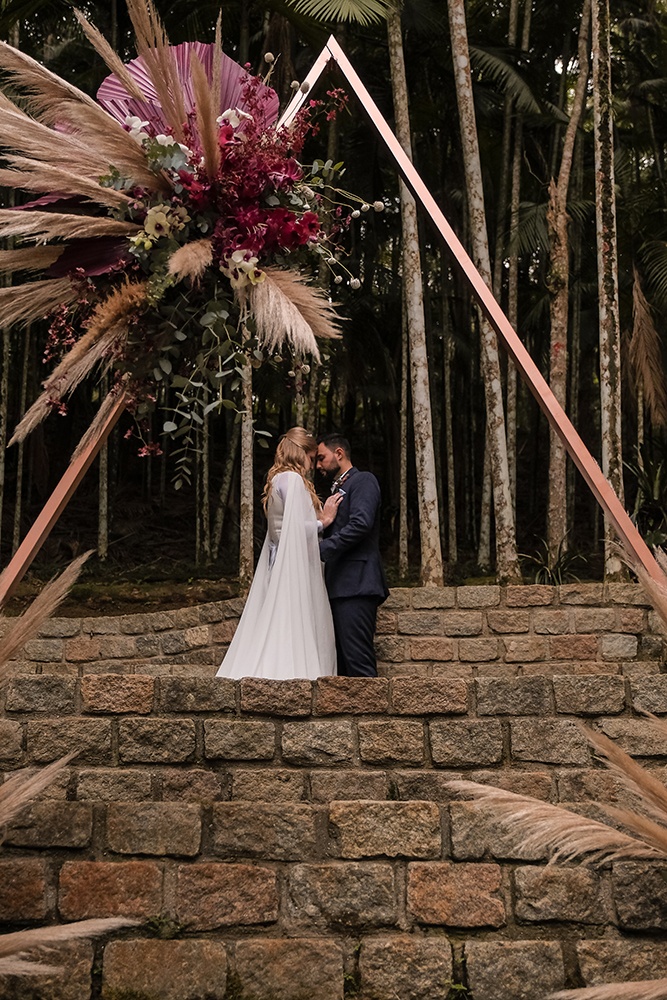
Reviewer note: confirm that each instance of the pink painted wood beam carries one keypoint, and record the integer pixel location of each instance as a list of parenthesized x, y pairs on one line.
[(55, 505), (582, 458)]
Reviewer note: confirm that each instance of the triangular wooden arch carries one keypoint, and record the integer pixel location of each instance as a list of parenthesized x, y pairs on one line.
[(582, 458)]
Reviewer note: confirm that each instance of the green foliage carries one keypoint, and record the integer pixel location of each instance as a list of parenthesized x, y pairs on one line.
[(650, 509), (165, 928), (557, 572), (362, 12)]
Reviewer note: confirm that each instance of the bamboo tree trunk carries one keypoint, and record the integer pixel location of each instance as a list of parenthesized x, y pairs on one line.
[(225, 489), (501, 209), (103, 489), (484, 547), (205, 505), (18, 505), (429, 528), (313, 420), (448, 357), (575, 349), (403, 558), (558, 283), (605, 217), (246, 506), (507, 564), (4, 413)]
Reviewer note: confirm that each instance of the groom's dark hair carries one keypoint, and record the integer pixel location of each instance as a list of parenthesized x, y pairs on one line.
[(333, 441)]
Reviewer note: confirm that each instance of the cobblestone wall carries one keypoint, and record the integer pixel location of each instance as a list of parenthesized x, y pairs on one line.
[(290, 840), (446, 632)]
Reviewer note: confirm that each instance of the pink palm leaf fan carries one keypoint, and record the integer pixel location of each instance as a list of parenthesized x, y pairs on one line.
[(174, 190)]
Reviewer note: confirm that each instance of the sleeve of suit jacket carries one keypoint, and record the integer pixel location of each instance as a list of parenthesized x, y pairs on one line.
[(364, 498)]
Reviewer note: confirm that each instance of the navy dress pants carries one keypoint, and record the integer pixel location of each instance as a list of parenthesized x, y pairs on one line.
[(354, 626)]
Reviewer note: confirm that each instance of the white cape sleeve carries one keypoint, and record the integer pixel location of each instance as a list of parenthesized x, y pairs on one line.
[(286, 629)]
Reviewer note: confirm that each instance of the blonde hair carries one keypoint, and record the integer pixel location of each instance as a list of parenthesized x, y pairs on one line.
[(292, 456)]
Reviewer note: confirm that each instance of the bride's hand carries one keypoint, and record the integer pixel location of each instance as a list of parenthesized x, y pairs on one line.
[(330, 509)]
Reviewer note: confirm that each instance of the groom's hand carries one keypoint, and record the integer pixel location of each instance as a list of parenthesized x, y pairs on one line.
[(330, 509)]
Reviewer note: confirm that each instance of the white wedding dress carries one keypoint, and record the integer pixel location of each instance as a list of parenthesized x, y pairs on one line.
[(286, 629)]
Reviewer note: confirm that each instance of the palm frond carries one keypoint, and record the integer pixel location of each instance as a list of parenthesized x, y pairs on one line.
[(531, 233), (497, 69), (653, 258), (646, 354), (362, 12), (652, 989), (549, 827)]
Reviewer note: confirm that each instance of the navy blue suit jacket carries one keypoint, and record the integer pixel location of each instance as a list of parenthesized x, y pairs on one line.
[(350, 548)]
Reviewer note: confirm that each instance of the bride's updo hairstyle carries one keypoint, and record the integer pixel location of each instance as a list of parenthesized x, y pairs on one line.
[(292, 456)]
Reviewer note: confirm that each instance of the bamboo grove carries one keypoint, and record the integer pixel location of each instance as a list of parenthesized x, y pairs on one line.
[(541, 131)]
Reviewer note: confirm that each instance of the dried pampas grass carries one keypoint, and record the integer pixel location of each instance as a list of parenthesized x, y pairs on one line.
[(28, 259), (110, 57), (153, 47), (21, 787), (207, 112), (285, 308), (51, 225), (26, 303), (14, 947), (645, 353), (110, 401), (32, 176), (654, 989), (191, 260)]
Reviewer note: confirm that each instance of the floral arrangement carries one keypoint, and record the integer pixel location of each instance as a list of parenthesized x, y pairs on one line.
[(170, 249)]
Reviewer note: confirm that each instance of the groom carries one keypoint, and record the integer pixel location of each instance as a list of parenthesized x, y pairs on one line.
[(350, 552)]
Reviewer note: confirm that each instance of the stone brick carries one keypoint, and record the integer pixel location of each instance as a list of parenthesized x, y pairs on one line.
[(405, 966), (432, 649), (114, 693), (391, 742), (44, 693), (621, 961), (451, 669), (465, 742), (327, 786), (554, 893), (191, 785), (581, 593), (524, 649), (386, 623), (399, 598), (433, 597), (651, 647), (630, 620), (508, 621), (552, 622), (113, 785), (640, 895), (461, 623), (649, 694), (44, 650), (594, 619), (197, 694), (239, 740), (529, 596), (635, 736), (506, 669), (481, 596), (476, 832), (224, 631), (534, 783), (420, 622), (58, 787), (345, 895), (429, 696), (351, 695), (478, 650), (308, 743), (627, 593), (59, 628), (182, 642), (590, 695), (11, 740), (282, 831), (586, 785), (219, 895), (551, 741), (574, 647), (275, 785), (186, 617), (168, 970), (72, 980), (288, 697), (53, 738), (152, 741), (118, 647), (430, 785), (455, 895), (100, 626), (108, 889), (209, 613), (514, 970), (367, 829), (513, 696), (389, 648), (154, 828), (297, 969), (22, 890), (135, 624), (52, 824), (617, 646)]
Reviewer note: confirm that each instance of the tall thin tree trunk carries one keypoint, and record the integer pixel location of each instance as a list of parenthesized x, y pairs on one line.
[(484, 547), (575, 350), (313, 419), (225, 488), (448, 357), (558, 283), (507, 563), (18, 505), (246, 506), (205, 503), (501, 208), (403, 475), (429, 528), (605, 217), (103, 489), (244, 34), (4, 414)]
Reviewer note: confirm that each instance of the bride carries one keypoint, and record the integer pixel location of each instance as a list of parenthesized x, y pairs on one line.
[(286, 629)]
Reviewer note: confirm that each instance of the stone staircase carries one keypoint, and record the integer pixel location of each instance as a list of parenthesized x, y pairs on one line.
[(293, 841)]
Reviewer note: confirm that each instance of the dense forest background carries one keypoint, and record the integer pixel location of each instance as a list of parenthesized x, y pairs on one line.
[(526, 62)]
